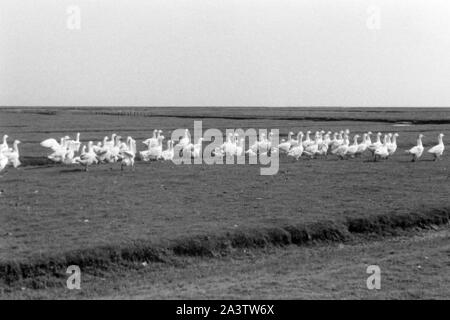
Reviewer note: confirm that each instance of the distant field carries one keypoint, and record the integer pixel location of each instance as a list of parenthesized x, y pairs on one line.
[(32, 125), (48, 210)]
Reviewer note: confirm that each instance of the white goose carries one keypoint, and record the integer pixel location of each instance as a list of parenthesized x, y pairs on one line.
[(266, 144), (382, 152), (169, 153), (219, 153), (59, 149), (296, 142), (229, 147), (307, 142), (3, 161), (100, 147), (286, 145), (337, 141), (254, 148), (12, 155), (69, 157), (341, 151), (327, 138), (417, 150), (369, 141), (323, 147), (154, 152), (74, 145), (332, 140), (372, 147), (297, 150), (438, 149), (392, 146), (153, 141), (313, 146), (110, 144), (240, 147), (128, 153), (353, 149), (197, 149), (186, 140), (77, 159), (109, 151), (4, 145), (113, 152), (362, 147), (347, 132), (320, 146), (87, 158)]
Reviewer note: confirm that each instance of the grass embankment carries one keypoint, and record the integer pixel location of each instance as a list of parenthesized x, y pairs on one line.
[(40, 272)]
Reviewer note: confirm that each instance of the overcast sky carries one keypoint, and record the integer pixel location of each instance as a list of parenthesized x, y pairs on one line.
[(225, 52)]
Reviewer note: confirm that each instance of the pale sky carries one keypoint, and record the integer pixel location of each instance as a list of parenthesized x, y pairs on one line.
[(225, 53)]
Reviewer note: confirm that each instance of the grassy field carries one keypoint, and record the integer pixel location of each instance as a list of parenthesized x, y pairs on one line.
[(60, 214), (413, 266)]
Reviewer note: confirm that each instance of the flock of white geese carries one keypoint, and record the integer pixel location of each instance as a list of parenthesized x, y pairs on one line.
[(114, 149)]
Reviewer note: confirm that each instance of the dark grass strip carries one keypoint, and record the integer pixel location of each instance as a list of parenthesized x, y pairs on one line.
[(130, 255), (271, 117)]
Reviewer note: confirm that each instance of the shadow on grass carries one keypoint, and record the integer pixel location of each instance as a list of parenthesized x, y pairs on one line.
[(70, 170)]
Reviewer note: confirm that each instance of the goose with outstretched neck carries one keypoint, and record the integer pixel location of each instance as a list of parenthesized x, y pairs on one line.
[(74, 145), (363, 145), (3, 161), (109, 144), (438, 149), (294, 142), (392, 146), (4, 145), (417, 150), (338, 141), (229, 146), (373, 147), (87, 158), (297, 150), (148, 141), (382, 151), (341, 151), (307, 140), (333, 140), (313, 148), (351, 151), (13, 154), (186, 140), (169, 153), (128, 153), (286, 145), (197, 149)]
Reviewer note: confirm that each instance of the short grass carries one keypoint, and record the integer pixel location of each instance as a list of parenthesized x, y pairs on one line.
[(52, 209), (413, 266)]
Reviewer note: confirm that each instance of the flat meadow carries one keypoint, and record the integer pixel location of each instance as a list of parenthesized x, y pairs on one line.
[(49, 210)]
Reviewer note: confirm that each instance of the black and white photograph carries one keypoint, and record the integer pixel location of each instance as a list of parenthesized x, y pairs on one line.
[(224, 155)]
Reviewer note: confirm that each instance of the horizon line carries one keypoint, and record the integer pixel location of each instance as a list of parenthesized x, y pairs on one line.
[(213, 106)]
